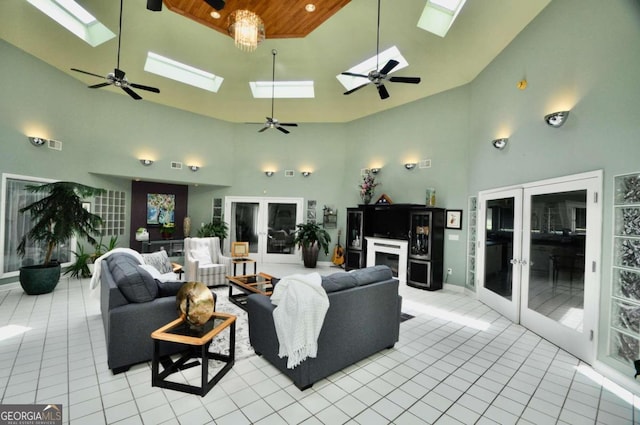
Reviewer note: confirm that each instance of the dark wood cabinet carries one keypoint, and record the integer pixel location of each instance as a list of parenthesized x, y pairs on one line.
[(421, 226)]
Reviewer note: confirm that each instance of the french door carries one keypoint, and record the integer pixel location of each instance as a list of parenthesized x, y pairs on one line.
[(268, 224), (539, 250)]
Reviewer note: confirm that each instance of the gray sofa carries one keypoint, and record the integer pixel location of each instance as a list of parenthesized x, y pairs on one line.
[(133, 304), (363, 318)]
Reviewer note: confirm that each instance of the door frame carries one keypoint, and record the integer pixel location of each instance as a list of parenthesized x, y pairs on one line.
[(593, 260), (263, 202)]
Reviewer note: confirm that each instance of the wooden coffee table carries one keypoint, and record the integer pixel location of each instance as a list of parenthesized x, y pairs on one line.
[(249, 284), (198, 339)]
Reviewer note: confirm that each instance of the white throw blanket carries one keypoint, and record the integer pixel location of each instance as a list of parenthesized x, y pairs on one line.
[(302, 304), (95, 279)]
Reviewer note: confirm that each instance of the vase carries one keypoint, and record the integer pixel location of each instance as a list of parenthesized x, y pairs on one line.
[(186, 226), (366, 199)]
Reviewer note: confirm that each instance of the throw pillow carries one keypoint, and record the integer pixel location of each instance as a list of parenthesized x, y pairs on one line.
[(136, 284), (169, 288), (159, 260), (202, 255)]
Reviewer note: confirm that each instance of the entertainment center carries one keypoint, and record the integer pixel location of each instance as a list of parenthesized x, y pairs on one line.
[(420, 227)]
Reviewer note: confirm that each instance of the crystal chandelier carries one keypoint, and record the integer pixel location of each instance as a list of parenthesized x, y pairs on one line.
[(247, 29)]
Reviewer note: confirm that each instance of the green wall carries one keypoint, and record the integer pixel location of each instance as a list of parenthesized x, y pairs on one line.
[(581, 55)]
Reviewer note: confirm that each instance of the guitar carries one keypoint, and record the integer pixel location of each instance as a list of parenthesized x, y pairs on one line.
[(338, 252)]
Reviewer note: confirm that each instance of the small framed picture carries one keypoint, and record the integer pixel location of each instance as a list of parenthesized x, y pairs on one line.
[(454, 219), (87, 206)]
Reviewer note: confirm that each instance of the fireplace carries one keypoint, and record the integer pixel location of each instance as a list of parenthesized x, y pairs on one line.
[(382, 251)]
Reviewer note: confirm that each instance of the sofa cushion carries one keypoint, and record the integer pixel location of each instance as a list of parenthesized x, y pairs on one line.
[(338, 282), (372, 274), (159, 260), (135, 283), (169, 288)]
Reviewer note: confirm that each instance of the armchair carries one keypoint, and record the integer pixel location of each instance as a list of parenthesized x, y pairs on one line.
[(204, 262)]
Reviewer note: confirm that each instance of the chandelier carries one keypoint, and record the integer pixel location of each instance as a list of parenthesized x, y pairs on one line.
[(247, 29)]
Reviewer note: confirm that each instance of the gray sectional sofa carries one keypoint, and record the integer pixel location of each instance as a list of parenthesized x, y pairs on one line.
[(133, 304), (363, 318)]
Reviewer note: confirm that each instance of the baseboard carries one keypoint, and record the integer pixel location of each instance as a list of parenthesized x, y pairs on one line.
[(454, 288), (625, 381)]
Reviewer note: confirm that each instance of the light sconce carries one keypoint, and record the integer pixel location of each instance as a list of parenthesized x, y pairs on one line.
[(194, 168), (306, 173), (37, 141), (146, 162), (556, 119), (375, 171), (410, 165), (268, 173), (500, 143)]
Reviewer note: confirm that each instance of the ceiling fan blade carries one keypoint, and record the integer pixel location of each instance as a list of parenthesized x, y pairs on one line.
[(289, 124), (88, 73), (357, 88), (389, 66), (131, 93), (97, 86), (410, 80), (147, 88), (353, 74), (284, 130), (382, 91), (263, 129), (119, 73)]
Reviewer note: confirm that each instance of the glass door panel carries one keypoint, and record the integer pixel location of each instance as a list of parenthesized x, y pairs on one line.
[(244, 227)]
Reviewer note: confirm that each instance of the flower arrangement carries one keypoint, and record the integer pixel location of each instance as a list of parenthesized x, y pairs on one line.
[(367, 187), (167, 230)]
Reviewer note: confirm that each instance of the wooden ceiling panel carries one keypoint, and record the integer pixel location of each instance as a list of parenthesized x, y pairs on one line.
[(282, 18)]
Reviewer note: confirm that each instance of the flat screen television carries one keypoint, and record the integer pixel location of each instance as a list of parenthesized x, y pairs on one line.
[(391, 222)]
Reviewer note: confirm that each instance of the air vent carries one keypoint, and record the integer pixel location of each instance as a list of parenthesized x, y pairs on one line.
[(425, 163), (55, 145), (176, 165), (289, 173)]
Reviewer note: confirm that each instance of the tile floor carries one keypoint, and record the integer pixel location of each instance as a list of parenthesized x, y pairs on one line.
[(457, 362)]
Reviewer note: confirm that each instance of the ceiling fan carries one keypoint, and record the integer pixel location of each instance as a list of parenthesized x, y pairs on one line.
[(117, 77), (378, 76), (271, 121)]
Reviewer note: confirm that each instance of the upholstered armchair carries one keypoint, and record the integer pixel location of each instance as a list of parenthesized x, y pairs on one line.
[(204, 262)]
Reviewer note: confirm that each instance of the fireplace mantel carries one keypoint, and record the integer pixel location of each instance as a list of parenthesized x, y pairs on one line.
[(389, 246)]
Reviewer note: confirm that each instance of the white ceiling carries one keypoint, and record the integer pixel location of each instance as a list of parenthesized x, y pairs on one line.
[(482, 30)]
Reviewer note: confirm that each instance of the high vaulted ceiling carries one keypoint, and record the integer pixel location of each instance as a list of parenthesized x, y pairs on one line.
[(347, 37)]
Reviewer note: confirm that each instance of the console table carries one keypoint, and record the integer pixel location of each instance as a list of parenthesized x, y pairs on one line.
[(174, 247)]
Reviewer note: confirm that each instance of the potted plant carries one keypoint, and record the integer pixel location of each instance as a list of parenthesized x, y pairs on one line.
[(55, 218), (167, 229), (80, 267), (217, 227), (311, 238)]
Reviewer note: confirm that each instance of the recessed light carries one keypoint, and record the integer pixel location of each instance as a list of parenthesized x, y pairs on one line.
[(215, 14), (310, 7)]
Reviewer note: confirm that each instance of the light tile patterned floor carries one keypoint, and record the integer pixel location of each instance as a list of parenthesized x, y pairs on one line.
[(457, 362)]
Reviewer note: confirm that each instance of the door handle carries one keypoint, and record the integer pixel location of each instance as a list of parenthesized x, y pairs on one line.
[(514, 261)]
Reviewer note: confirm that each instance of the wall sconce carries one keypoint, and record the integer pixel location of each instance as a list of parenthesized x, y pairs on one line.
[(37, 141), (556, 119), (500, 143), (268, 173), (194, 168), (306, 173), (410, 165), (146, 162), (375, 171)]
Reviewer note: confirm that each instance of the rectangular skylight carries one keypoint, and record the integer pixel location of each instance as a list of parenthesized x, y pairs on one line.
[(370, 65), (438, 15), (282, 89), (178, 71), (76, 19)]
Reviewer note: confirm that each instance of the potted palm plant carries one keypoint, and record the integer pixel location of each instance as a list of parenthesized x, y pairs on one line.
[(55, 218), (217, 227), (311, 238)]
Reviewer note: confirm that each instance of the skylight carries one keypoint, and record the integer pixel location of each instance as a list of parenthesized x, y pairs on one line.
[(178, 71), (370, 65), (76, 19), (438, 15), (282, 89)]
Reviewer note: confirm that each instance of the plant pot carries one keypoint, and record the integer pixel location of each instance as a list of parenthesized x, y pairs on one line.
[(310, 255), (36, 280)]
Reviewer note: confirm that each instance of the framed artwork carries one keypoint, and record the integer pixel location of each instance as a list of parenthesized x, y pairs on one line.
[(161, 208), (239, 249), (454, 219), (87, 206), (311, 214)]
